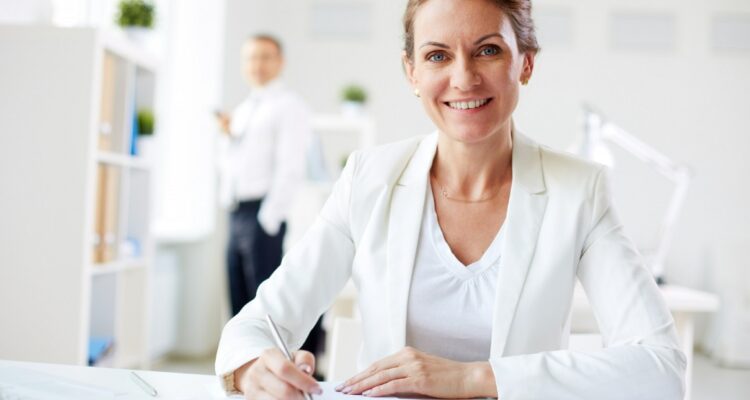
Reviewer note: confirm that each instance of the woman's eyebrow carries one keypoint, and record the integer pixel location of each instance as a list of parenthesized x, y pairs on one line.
[(437, 44), (480, 40), (485, 37)]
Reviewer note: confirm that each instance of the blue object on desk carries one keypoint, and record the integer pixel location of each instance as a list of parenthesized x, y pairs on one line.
[(98, 348)]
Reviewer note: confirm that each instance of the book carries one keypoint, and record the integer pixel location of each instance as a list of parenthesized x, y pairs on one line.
[(107, 102), (99, 207), (106, 217)]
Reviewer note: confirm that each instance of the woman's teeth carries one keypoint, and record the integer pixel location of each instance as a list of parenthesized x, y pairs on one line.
[(467, 105)]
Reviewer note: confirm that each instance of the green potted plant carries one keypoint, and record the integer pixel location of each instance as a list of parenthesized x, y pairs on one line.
[(136, 17), (353, 100), (145, 122), (145, 128)]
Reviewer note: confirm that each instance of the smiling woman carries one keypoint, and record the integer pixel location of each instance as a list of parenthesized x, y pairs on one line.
[(465, 246), (464, 60)]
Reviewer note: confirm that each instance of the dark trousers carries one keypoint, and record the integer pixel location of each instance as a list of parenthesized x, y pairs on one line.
[(252, 256)]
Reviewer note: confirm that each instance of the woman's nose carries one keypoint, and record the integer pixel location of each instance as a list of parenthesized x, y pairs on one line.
[(464, 76)]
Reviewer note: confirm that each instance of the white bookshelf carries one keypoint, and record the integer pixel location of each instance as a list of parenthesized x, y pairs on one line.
[(340, 135), (122, 160), (64, 115)]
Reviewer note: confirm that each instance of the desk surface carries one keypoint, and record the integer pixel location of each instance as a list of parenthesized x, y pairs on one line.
[(67, 382), (116, 382)]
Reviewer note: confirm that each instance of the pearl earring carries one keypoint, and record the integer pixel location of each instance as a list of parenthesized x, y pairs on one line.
[(416, 92)]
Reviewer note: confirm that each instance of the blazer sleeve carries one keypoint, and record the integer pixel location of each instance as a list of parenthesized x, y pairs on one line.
[(641, 360), (311, 274)]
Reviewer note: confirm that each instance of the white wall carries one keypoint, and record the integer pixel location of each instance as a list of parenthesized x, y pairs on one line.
[(186, 219), (319, 67), (189, 90), (688, 100)]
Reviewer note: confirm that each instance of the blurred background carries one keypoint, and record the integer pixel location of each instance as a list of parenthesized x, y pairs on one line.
[(111, 234)]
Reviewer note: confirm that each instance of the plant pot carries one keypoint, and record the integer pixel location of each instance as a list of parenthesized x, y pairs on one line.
[(146, 146), (138, 34), (352, 109)]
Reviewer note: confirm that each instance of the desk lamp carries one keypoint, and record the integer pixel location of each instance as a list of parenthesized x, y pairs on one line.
[(597, 132)]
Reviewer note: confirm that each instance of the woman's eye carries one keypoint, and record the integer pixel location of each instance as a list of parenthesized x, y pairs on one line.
[(436, 57), (489, 51)]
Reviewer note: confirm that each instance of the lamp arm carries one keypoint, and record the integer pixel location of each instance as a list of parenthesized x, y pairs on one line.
[(642, 151), (677, 173), (668, 223)]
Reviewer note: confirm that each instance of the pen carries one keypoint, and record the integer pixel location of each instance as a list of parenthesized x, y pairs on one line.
[(143, 384), (282, 346)]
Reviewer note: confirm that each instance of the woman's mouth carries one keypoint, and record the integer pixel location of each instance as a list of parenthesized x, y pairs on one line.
[(468, 104)]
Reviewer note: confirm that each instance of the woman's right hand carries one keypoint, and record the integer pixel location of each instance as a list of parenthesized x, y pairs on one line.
[(271, 376)]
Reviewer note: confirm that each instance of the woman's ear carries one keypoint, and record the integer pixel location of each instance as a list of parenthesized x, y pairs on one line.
[(528, 66), (408, 65)]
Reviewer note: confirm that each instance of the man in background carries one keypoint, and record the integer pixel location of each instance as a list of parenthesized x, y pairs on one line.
[(263, 164)]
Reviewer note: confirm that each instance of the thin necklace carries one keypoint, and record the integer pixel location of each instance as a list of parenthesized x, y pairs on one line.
[(445, 195)]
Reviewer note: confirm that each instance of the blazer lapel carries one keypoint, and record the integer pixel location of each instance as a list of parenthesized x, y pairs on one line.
[(524, 218), (404, 222)]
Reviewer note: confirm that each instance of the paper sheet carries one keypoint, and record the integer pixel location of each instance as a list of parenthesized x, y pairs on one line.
[(330, 393)]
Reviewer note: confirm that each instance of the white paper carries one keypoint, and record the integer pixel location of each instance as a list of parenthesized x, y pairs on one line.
[(330, 393)]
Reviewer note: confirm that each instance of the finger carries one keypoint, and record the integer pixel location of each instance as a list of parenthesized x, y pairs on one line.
[(305, 361), (402, 385), (391, 361), (371, 370), (288, 372), (258, 394), (277, 387), (378, 379)]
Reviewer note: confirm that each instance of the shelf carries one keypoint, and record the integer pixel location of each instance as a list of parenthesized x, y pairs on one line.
[(90, 102), (118, 266), (117, 42), (122, 160)]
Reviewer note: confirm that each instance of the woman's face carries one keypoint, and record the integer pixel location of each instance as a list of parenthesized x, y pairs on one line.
[(467, 67)]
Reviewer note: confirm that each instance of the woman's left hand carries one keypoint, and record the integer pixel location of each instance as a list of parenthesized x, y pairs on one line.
[(410, 371)]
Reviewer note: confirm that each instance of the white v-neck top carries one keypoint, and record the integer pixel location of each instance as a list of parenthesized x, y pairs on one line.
[(450, 306)]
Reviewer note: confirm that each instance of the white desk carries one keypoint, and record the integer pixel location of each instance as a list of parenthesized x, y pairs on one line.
[(170, 386), (684, 304), (85, 383)]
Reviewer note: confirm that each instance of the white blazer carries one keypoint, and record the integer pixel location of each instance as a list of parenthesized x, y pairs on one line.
[(560, 226)]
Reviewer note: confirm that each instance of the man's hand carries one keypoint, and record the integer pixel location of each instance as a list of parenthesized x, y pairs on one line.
[(224, 122), (412, 372)]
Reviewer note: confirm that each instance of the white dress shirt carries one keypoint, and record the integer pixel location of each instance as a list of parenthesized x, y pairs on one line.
[(265, 155), (450, 304)]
